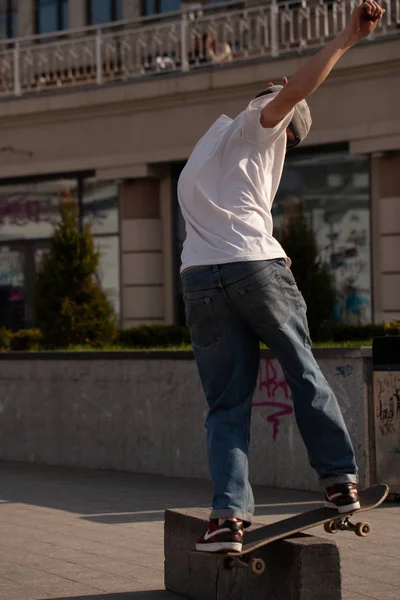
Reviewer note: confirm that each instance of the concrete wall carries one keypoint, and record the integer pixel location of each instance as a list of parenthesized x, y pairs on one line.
[(387, 427), (145, 412)]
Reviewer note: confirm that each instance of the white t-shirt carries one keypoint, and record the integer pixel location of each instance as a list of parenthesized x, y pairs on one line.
[(227, 188)]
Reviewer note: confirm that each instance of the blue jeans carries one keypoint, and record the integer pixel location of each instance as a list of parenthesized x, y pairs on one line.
[(229, 308)]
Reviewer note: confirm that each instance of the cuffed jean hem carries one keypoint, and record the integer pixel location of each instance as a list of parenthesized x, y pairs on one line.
[(342, 478), (231, 513)]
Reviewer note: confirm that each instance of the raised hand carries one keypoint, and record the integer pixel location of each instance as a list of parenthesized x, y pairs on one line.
[(364, 20)]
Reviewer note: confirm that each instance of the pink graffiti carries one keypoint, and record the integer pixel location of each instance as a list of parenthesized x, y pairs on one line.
[(270, 381), (285, 409)]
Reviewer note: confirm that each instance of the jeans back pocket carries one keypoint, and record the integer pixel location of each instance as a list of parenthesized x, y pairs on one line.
[(201, 321)]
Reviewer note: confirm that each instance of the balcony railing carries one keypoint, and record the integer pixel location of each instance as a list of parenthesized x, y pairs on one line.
[(182, 41)]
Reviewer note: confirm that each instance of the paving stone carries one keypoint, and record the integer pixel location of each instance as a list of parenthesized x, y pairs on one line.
[(77, 534)]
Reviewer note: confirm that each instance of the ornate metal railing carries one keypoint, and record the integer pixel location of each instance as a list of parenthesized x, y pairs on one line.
[(178, 41)]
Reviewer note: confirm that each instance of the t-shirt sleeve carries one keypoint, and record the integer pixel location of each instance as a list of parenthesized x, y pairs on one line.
[(252, 129)]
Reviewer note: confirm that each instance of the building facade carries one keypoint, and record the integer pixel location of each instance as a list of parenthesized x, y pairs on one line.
[(103, 101)]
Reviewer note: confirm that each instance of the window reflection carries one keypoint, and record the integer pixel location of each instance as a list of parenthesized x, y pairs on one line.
[(152, 7), (108, 270), (100, 209), (104, 11), (334, 192), (51, 15), (8, 19), (100, 206), (12, 296), (30, 211)]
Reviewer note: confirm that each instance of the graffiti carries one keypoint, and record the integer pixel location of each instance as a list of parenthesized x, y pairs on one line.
[(387, 426), (388, 405), (274, 419), (272, 384), (269, 380), (344, 370)]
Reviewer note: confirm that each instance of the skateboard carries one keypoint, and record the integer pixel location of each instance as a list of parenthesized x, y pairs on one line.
[(332, 521)]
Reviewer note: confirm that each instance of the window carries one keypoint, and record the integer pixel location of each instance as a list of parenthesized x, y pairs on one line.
[(104, 11), (334, 190), (100, 209), (51, 15), (8, 19), (153, 7), (29, 211)]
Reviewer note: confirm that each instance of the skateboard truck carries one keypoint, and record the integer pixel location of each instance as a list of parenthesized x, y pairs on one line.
[(362, 529), (256, 565)]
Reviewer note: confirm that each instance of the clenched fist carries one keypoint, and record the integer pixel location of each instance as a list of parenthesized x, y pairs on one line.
[(363, 20)]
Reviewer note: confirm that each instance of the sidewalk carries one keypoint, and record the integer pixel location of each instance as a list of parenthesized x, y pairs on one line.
[(67, 534)]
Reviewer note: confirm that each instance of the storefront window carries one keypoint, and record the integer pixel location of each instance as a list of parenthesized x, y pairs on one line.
[(108, 271), (100, 206), (100, 209), (30, 211), (12, 296), (333, 189), (28, 214)]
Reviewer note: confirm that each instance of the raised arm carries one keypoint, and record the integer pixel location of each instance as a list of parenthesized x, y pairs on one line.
[(310, 76)]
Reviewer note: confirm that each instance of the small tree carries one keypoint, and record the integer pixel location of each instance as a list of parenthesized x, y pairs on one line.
[(313, 278), (70, 306)]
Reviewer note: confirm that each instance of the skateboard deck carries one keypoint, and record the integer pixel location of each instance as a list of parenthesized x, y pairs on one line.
[(333, 522), (370, 498)]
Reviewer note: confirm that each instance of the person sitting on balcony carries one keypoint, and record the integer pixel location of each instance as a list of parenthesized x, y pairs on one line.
[(216, 52), (238, 288)]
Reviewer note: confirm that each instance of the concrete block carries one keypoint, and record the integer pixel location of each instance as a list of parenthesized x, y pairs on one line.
[(303, 567)]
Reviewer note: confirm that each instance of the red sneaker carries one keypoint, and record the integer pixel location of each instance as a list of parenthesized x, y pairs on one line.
[(227, 537), (343, 497)]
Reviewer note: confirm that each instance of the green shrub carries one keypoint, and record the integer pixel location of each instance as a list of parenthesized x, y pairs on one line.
[(342, 333), (348, 333), (71, 308), (145, 336), (27, 339), (392, 328), (5, 338)]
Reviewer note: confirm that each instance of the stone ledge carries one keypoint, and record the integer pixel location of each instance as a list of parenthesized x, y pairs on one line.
[(334, 352), (303, 567)]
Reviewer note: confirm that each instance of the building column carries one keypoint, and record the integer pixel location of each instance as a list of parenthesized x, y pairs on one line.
[(385, 225), (132, 9), (142, 269), (166, 212), (26, 18), (77, 14)]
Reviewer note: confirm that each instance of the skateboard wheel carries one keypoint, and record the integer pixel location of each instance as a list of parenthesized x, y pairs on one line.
[(257, 566), (363, 529), (330, 527)]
